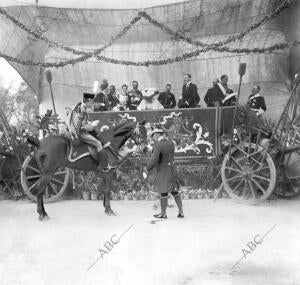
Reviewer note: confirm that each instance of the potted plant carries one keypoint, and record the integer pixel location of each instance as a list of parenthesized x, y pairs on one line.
[(80, 182), (92, 184), (94, 195), (86, 195)]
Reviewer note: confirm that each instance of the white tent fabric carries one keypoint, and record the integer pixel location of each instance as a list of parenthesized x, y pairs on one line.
[(206, 20)]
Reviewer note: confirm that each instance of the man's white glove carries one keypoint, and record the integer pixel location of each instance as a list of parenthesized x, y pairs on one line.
[(95, 123), (259, 112)]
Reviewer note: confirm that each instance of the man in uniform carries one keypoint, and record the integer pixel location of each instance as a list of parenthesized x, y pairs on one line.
[(222, 94), (162, 159), (167, 99), (212, 97), (88, 134), (189, 97), (256, 102)]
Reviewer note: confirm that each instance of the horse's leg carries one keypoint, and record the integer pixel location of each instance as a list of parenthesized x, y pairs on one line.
[(44, 181), (107, 190)]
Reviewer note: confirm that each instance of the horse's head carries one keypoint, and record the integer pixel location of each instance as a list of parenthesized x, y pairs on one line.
[(139, 135), (129, 130)]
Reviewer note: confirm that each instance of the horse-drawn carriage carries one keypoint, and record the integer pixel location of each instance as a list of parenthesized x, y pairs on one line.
[(254, 162)]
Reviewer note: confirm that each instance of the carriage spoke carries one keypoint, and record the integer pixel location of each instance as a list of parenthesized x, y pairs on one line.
[(47, 192), (261, 177), (53, 188), (237, 186), (33, 168), (259, 186), (260, 169), (252, 190), (33, 176), (233, 169), (244, 190), (58, 181), (234, 177), (33, 185), (61, 172), (236, 162)]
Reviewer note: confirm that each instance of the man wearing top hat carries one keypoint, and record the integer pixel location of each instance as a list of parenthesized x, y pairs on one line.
[(162, 160)]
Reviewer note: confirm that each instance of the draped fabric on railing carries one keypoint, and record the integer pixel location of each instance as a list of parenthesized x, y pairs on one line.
[(206, 20)]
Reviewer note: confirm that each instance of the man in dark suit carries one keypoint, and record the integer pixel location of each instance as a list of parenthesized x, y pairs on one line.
[(212, 97), (256, 102), (167, 99), (189, 97), (162, 159)]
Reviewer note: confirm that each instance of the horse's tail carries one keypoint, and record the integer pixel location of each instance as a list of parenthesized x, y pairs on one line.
[(33, 141)]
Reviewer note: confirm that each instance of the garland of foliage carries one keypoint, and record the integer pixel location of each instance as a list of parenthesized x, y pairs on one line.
[(218, 46), (70, 49), (285, 4), (147, 63), (195, 53)]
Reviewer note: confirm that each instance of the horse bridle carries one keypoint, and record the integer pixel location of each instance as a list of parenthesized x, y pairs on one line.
[(137, 140)]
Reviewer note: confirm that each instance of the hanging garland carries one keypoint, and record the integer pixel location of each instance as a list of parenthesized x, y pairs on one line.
[(218, 46), (147, 63), (195, 53), (285, 4), (70, 49)]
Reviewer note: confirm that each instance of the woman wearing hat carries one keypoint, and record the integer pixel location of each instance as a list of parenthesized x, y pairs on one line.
[(149, 100), (162, 159)]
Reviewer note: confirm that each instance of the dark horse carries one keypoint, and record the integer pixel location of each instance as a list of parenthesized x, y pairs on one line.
[(56, 151)]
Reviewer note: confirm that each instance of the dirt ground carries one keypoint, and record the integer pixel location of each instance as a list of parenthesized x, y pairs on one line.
[(200, 249)]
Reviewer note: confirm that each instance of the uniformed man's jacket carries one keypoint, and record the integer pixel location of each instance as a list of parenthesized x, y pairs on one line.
[(167, 100), (162, 160), (100, 102), (256, 102)]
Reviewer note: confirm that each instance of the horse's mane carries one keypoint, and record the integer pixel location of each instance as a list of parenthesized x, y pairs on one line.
[(123, 129)]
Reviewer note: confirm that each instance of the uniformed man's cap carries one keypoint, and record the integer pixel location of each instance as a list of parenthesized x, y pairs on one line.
[(157, 130)]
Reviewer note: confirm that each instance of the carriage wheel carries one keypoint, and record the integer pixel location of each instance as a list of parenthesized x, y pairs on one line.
[(248, 174), (31, 174), (288, 182)]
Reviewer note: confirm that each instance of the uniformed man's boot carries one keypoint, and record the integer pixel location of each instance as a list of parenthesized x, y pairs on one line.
[(179, 205), (163, 206)]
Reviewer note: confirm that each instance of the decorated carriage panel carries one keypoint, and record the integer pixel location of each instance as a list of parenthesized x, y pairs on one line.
[(194, 131)]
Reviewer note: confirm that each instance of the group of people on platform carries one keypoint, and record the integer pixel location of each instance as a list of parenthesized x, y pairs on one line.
[(108, 99)]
